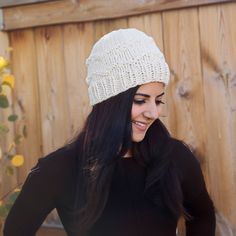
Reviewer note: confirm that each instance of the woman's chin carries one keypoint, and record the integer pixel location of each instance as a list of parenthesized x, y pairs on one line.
[(138, 138)]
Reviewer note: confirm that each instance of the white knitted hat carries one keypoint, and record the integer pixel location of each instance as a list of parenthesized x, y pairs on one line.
[(123, 59)]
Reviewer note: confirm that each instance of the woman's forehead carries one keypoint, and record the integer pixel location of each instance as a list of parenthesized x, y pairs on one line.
[(152, 88)]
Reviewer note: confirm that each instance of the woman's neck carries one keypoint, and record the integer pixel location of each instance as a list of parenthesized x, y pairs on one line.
[(128, 154)]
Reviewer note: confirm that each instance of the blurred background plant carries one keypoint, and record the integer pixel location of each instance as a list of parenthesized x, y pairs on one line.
[(9, 158)]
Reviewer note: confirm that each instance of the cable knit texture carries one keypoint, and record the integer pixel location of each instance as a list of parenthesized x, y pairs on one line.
[(123, 59)]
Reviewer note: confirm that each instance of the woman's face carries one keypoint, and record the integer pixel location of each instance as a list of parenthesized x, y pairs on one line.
[(146, 108)]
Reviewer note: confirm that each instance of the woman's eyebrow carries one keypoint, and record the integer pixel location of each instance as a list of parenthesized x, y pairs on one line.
[(148, 96)]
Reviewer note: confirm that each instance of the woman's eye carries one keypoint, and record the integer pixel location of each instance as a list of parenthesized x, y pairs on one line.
[(158, 102), (139, 101)]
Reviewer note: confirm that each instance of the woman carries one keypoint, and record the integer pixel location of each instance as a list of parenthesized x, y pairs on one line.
[(123, 175)]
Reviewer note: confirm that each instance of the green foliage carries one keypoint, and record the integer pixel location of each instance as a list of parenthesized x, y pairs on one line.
[(18, 139), (8, 155), (9, 170), (12, 197), (8, 202), (3, 129), (3, 101), (13, 117), (3, 210)]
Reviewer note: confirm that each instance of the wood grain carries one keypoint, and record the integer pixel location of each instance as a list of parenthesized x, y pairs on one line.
[(68, 11), (219, 75), (27, 97), (8, 3), (186, 118), (199, 45), (78, 39), (52, 88)]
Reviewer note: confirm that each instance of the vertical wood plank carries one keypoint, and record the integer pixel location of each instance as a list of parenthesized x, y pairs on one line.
[(52, 88), (219, 72), (116, 24), (153, 26), (136, 22), (4, 44), (103, 27), (78, 40), (185, 95), (100, 29), (53, 92), (27, 96)]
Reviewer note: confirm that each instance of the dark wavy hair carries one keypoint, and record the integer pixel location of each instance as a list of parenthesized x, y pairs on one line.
[(106, 136)]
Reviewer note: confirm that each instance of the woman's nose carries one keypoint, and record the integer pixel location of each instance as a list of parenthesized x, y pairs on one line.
[(153, 111)]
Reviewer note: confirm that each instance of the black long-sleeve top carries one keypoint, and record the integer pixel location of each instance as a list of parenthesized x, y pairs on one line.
[(128, 212)]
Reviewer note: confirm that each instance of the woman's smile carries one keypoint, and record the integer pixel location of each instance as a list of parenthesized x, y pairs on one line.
[(140, 126)]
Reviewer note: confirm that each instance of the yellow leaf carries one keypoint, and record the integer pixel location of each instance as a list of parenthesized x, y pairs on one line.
[(1, 203), (9, 80), (0, 153), (17, 160), (6, 90), (3, 63), (17, 190)]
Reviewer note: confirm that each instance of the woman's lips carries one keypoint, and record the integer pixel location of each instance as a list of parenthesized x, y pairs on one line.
[(140, 125)]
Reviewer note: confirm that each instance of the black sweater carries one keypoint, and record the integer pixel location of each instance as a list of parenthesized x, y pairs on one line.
[(128, 212)]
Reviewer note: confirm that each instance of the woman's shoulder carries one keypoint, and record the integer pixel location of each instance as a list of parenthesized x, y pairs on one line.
[(62, 160), (189, 169), (181, 151), (187, 165), (183, 158)]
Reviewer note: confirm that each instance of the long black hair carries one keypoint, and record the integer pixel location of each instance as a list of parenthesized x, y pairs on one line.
[(106, 136)]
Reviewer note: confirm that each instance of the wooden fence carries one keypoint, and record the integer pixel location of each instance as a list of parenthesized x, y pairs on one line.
[(199, 45)]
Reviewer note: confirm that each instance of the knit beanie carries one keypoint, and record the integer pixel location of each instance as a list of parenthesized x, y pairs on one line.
[(123, 59)]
